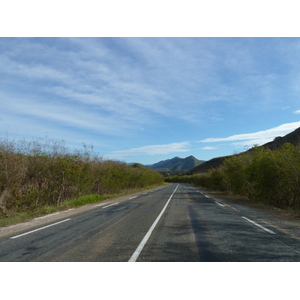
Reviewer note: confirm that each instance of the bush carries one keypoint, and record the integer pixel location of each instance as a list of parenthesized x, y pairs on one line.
[(45, 173)]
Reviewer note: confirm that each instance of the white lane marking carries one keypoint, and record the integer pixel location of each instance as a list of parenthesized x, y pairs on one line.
[(51, 215), (17, 236), (101, 204), (110, 205), (140, 247), (206, 196), (260, 226), (132, 197), (219, 203)]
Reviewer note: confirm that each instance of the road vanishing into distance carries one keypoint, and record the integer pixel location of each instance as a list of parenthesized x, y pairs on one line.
[(174, 223)]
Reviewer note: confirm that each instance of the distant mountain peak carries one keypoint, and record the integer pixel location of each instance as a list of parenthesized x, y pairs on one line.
[(176, 164)]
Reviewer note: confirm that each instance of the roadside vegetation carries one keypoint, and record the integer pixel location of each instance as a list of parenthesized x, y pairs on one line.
[(42, 176), (264, 175)]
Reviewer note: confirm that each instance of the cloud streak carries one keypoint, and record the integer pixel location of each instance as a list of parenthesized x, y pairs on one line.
[(259, 137), (209, 148), (155, 149)]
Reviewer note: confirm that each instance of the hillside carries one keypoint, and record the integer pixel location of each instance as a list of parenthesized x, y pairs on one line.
[(210, 164), (176, 164), (292, 138)]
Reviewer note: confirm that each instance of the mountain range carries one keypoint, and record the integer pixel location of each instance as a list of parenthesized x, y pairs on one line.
[(191, 165), (176, 164)]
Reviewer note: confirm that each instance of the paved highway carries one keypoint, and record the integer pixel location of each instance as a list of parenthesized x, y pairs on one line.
[(173, 223)]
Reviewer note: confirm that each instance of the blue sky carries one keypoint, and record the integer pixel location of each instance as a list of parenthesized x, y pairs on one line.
[(149, 99)]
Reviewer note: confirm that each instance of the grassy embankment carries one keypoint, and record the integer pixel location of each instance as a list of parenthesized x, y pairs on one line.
[(41, 177), (263, 175)]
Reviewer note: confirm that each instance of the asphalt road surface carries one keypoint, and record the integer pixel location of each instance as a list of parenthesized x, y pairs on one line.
[(174, 223)]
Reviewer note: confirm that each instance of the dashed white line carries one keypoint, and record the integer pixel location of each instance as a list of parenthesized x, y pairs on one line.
[(57, 213), (206, 196), (219, 203), (132, 197), (101, 204), (260, 226), (17, 236), (140, 247), (110, 205)]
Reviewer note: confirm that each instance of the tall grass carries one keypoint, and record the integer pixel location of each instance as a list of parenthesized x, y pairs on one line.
[(43, 173), (272, 177)]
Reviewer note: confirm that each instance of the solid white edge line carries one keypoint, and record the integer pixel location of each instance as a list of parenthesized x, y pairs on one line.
[(140, 247), (110, 205), (132, 197), (260, 226), (17, 236)]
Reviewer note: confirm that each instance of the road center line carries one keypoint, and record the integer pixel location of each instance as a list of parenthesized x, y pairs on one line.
[(260, 226), (140, 247), (17, 236), (110, 205)]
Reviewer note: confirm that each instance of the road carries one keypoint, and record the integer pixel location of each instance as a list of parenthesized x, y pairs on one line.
[(175, 223)]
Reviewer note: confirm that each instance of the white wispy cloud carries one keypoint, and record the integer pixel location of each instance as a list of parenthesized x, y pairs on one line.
[(92, 75), (297, 111), (64, 114), (209, 148), (155, 149), (259, 137), (138, 79)]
